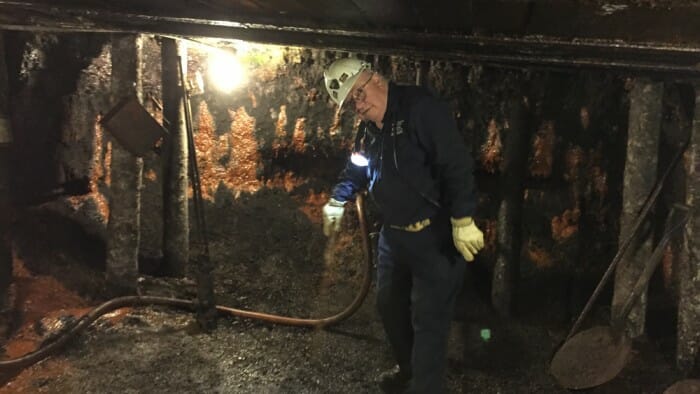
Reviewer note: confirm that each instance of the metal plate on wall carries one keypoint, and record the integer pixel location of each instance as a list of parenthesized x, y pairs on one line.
[(133, 126)]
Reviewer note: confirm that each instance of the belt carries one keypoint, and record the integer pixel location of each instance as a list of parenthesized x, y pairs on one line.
[(413, 227)]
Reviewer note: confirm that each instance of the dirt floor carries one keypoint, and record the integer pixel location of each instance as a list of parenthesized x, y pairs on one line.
[(270, 256)]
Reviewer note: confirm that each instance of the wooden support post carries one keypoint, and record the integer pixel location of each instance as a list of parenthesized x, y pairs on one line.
[(176, 217), (422, 73), (5, 188), (640, 176), (123, 235), (515, 154), (688, 345)]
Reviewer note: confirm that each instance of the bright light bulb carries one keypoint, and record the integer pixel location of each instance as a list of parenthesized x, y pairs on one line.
[(359, 160), (225, 71)]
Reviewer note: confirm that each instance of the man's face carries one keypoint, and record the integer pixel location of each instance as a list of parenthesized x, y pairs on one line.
[(367, 98)]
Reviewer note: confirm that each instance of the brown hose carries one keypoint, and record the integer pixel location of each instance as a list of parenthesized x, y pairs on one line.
[(344, 314), (132, 301)]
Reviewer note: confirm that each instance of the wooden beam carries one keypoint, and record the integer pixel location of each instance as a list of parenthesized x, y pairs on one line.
[(688, 346), (521, 52), (639, 179), (508, 228), (123, 228), (6, 307), (175, 183)]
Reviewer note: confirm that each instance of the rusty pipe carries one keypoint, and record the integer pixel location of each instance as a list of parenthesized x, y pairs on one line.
[(133, 301)]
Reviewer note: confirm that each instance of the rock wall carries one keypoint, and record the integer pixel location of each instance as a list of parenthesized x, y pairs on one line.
[(280, 131)]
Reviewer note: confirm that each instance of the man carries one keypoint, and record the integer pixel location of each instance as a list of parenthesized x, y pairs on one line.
[(419, 172)]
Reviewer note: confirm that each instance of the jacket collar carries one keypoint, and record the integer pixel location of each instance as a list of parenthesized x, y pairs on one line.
[(392, 104)]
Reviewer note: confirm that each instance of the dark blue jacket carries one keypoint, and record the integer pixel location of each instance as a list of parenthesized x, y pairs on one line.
[(418, 162)]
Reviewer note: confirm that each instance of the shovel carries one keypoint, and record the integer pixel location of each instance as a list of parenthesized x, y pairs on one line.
[(688, 386), (595, 356)]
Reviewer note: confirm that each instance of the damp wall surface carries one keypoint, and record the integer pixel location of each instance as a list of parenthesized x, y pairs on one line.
[(280, 131)]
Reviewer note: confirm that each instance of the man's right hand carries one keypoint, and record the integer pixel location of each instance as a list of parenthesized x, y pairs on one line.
[(332, 215)]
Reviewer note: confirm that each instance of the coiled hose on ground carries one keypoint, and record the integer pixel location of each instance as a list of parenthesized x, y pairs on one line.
[(134, 301)]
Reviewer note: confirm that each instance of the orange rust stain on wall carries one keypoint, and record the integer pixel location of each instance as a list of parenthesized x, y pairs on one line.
[(280, 140), (150, 175), (205, 139), (102, 205), (491, 151), (543, 152), (97, 170), (287, 181), (299, 136), (566, 225), (108, 164), (207, 150), (244, 156), (230, 160), (537, 255)]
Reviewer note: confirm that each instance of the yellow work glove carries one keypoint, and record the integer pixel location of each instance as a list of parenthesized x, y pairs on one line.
[(467, 237), (332, 214)]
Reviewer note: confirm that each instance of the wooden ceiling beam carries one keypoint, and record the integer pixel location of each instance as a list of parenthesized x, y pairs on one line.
[(521, 52)]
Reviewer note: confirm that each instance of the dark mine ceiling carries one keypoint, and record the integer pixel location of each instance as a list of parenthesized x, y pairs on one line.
[(643, 35)]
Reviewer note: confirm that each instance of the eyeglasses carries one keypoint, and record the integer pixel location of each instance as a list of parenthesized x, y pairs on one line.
[(358, 94)]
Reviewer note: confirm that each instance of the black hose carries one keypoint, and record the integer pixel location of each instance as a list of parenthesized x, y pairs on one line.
[(132, 301)]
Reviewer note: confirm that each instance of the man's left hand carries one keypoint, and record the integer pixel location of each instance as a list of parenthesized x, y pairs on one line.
[(468, 239)]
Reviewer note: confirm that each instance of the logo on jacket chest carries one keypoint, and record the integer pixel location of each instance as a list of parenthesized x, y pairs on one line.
[(397, 128)]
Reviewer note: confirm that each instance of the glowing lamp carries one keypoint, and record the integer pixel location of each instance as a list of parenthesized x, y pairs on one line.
[(359, 160), (225, 71)]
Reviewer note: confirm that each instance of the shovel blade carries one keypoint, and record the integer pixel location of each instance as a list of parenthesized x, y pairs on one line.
[(590, 358), (689, 386)]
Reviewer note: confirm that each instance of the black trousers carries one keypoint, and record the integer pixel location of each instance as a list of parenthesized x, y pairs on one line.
[(419, 275)]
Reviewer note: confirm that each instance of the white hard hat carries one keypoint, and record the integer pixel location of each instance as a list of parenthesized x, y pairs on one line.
[(341, 75)]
